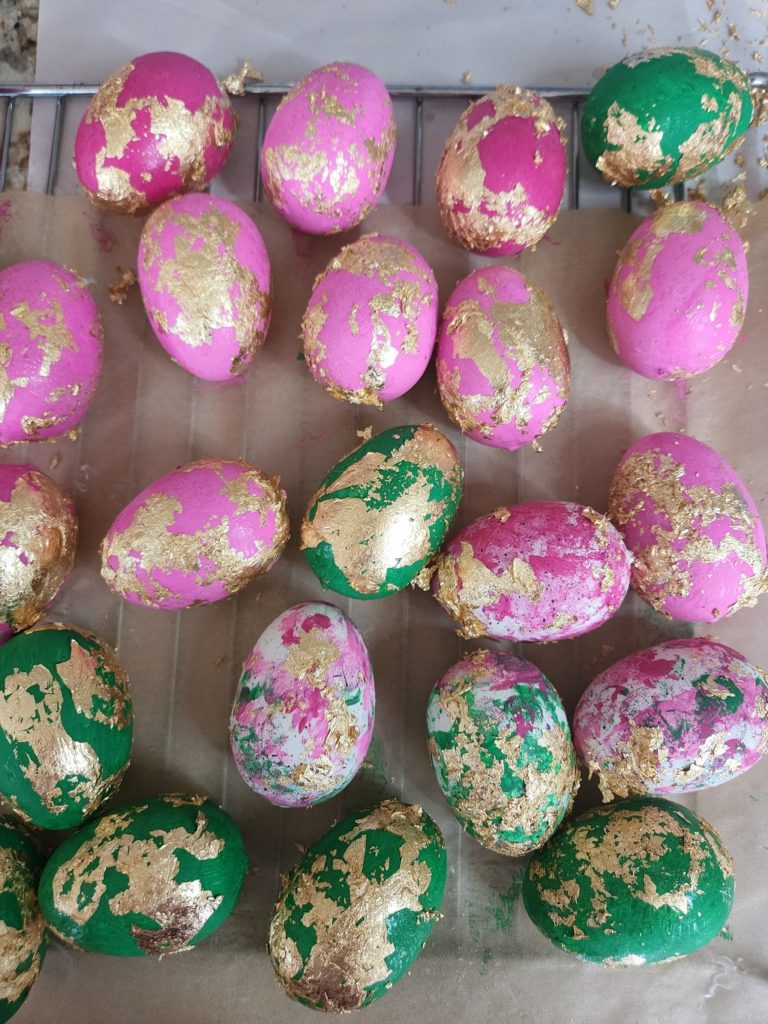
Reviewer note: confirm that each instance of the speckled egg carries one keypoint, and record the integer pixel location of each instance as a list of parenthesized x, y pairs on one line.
[(692, 527), (503, 370), (152, 877), (665, 115), (50, 351), (38, 539), (638, 882), (158, 126), (679, 292), (22, 928), (501, 750), (198, 534), (206, 283), (370, 325), (66, 724), (543, 571), (501, 177), (382, 512), (675, 718), (328, 149), (358, 907), (302, 719)]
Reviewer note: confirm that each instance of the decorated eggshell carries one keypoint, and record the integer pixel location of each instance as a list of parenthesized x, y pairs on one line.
[(158, 126), (198, 534), (370, 325), (637, 882), (501, 177), (679, 292), (544, 571), (662, 116), (152, 877), (302, 719), (503, 370), (66, 724), (206, 283), (382, 512), (675, 718), (22, 928), (696, 537), (50, 351), (328, 149), (501, 750), (358, 907), (38, 535)]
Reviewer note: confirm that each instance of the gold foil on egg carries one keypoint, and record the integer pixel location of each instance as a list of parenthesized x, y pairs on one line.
[(632, 148), (710, 141), (81, 675), (53, 338), (19, 945), (634, 766)]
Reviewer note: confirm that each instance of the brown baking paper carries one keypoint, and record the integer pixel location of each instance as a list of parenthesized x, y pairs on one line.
[(485, 961)]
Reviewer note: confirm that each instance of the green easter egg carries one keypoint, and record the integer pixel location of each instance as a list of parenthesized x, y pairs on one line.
[(22, 928)]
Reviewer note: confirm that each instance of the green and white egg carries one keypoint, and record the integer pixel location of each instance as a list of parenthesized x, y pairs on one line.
[(22, 928)]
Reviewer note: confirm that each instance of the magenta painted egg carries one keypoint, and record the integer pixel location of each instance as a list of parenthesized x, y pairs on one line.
[(679, 292), (544, 571), (206, 283), (328, 149), (370, 325), (502, 173), (158, 126), (693, 529), (197, 535), (50, 351), (503, 370)]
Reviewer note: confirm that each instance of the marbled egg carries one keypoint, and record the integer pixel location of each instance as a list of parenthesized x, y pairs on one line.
[(679, 292), (66, 724), (501, 177), (370, 325), (503, 370), (692, 527), (501, 750), (302, 719), (158, 126), (206, 283), (675, 718), (50, 351), (358, 907), (543, 571), (637, 882), (38, 539), (328, 149), (382, 512), (665, 115), (152, 877), (198, 534), (22, 928)]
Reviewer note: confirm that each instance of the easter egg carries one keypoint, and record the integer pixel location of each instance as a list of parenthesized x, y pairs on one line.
[(198, 534), (158, 126), (38, 530), (544, 571), (501, 177), (693, 529), (501, 750), (66, 724), (382, 512), (152, 877), (503, 370), (328, 149), (302, 719), (665, 115), (22, 928), (678, 717), (679, 292), (358, 907), (50, 351), (206, 283), (637, 882), (370, 325)]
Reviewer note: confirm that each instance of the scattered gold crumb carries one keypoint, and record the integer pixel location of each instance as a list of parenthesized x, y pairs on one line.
[(365, 433), (625, 39), (55, 461), (218, 661), (466, 77), (613, 4), (736, 368), (235, 84), (536, 446), (661, 198), (733, 32), (736, 206), (118, 292), (585, 5)]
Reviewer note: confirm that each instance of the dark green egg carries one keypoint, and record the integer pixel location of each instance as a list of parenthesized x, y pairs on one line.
[(22, 928)]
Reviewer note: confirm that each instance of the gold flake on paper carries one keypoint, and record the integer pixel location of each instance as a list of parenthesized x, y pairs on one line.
[(118, 292), (19, 945), (235, 83)]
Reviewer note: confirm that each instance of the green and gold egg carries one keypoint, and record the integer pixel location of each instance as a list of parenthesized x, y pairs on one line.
[(22, 928), (66, 724), (358, 907), (637, 882), (382, 512)]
